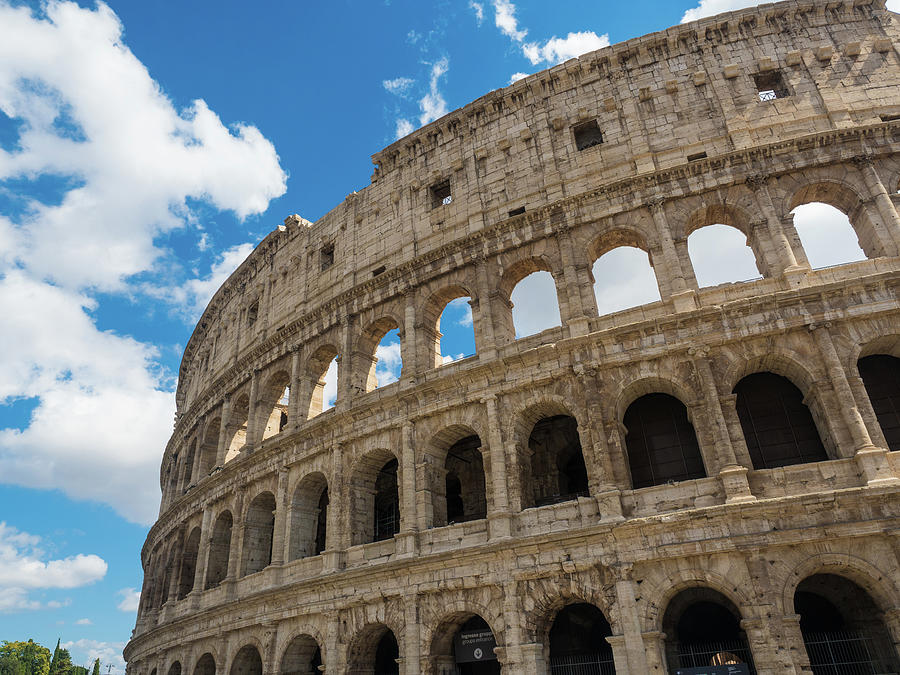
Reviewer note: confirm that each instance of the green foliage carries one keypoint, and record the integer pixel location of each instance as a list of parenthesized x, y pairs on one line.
[(78, 670), (61, 664), (10, 665), (32, 657), (96, 669)]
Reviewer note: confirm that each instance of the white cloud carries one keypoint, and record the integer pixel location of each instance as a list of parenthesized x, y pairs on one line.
[(109, 653), (329, 395), (84, 622), (399, 85), (91, 112), (720, 254), (462, 306), (535, 304), (827, 236), (893, 5), (557, 50), (387, 369), (404, 128), (23, 567), (712, 7), (433, 104), (515, 77), (479, 10), (448, 358), (130, 599), (505, 20), (623, 278)]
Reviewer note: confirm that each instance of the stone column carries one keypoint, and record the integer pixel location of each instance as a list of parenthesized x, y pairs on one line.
[(886, 211), (630, 622), (512, 618), (224, 422), (202, 558), (269, 656), (172, 590), (785, 260), (236, 549), (531, 659), (499, 519), (337, 531), (792, 638), (295, 416), (682, 297), (406, 539), (864, 403), (409, 339), (483, 314), (254, 433), (581, 305), (655, 649), (732, 475), (333, 659), (345, 364), (411, 648), (281, 509), (872, 461)]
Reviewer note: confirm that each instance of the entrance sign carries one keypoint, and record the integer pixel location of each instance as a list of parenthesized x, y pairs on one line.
[(474, 645), (731, 669)]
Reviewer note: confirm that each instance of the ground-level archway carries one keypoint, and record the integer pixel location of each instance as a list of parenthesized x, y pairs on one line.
[(464, 645), (577, 642)]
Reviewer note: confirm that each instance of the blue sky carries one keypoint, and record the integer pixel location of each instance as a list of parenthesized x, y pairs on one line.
[(145, 147)]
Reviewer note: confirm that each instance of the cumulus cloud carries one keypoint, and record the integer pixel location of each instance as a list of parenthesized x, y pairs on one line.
[(387, 369), (124, 164), (404, 127), (433, 104), (505, 20), (535, 305), (712, 7), (623, 278), (399, 85), (329, 395), (515, 77), (557, 50), (131, 597), (23, 567), (109, 653), (478, 8)]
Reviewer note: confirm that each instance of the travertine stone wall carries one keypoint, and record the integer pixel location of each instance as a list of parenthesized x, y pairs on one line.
[(687, 143)]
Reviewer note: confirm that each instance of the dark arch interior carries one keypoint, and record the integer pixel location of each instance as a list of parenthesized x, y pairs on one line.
[(703, 628), (247, 662), (175, 668), (206, 665), (387, 502), (302, 657), (661, 443), (219, 551), (578, 642), (259, 534), (558, 472), (842, 628), (189, 563), (386, 654), (881, 375), (465, 481), (321, 522), (777, 425), (487, 664)]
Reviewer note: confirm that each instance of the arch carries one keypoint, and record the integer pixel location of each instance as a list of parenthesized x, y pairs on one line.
[(219, 550), (660, 441), (703, 628), (373, 651), (454, 644), (188, 473), (366, 358), (722, 254), (237, 426), (558, 471), (777, 425), (537, 275), (273, 408), (247, 661), (308, 517), (576, 642), (842, 628), (622, 271), (458, 484), (189, 563), (206, 665), (302, 656), (880, 374), (432, 313), (259, 533), (168, 572), (317, 367), (209, 447), (175, 668), (375, 498)]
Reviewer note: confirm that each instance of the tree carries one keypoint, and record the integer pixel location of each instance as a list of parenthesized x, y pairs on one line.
[(61, 664), (10, 665), (34, 658), (96, 669)]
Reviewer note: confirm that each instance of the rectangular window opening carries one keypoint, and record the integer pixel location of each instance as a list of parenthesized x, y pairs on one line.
[(440, 194), (326, 257), (378, 270), (253, 313), (587, 135), (770, 86), (696, 156), (517, 212), (890, 118)]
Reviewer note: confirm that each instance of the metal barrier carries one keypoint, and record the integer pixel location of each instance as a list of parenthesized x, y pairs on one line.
[(582, 664), (843, 653), (699, 654)]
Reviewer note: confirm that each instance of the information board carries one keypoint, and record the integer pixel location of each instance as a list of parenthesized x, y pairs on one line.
[(730, 669), (475, 645)]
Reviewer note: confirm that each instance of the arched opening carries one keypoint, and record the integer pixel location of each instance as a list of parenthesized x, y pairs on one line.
[(463, 498), (661, 443), (309, 512), (827, 236), (534, 304), (721, 254), (322, 369), (219, 550), (375, 502), (624, 278), (465, 647), (777, 425), (578, 643), (379, 358), (247, 662), (274, 404), (259, 530), (455, 331), (206, 665), (842, 628), (558, 472), (374, 652), (302, 657), (189, 563), (881, 375), (167, 577), (175, 668), (703, 628), (208, 447), (188, 473), (237, 426)]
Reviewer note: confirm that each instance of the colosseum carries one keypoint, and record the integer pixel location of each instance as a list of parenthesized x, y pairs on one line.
[(706, 483)]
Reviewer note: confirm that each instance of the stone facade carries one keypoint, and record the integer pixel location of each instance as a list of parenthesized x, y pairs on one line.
[(263, 557)]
